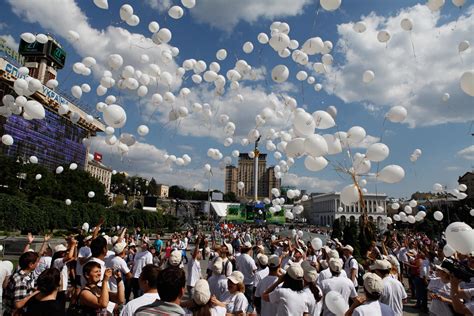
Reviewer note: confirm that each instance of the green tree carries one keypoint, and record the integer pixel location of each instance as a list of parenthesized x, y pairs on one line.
[(152, 187), (336, 229)]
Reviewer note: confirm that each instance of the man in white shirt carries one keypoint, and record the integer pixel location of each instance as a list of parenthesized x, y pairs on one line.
[(265, 308), (194, 269), (247, 266), (148, 282), (393, 294), (262, 263), (217, 281), (337, 283), (117, 262), (370, 305), (351, 266), (141, 259)]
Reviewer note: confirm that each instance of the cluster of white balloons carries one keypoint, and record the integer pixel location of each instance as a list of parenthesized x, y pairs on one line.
[(415, 155), (179, 161)]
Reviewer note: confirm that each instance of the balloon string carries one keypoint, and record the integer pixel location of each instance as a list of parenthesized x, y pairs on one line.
[(413, 46), (460, 56), (302, 91)]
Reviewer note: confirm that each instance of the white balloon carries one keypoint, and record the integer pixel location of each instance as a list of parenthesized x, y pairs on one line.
[(7, 140), (349, 195), (34, 109), (406, 24), (221, 54), (397, 114), (467, 83), (73, 166), (134, 20), (437, 187), (115, 116), (445, 97), (323, 120), (334, 144), (391, 174), (315, 163), (240, 185), (91, 194), (295, 148), (458, 3), (126, 11), (413, 203), (315, 145), (407, 209), (302, 75), (143, 130), (176, 12), (460, 236), (359, 27), (280, 73), (330, 5), (28, 37), (59, 169), (462, 187), (163, 36), (435, 5), (262, 38), (188, 3), (377, 152), (368, 76), (383, 36), (464, 45), (356, 134), (411, 219), (247, 47)]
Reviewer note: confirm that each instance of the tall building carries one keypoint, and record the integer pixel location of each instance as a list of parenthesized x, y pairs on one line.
[(323, 209), (101, 172), (244, 172), (56, 139)]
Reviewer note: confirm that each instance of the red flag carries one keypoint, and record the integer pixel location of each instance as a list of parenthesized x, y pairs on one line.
[(98, 157)]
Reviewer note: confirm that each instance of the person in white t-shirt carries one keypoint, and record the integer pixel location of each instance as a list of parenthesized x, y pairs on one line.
[(440, 293), (148, 282), (393, 294), (262, 263), (326, 272), (337, 283), (234, 298), (290, 296), (370, 305), (6, 270), (141, 259), (351, 266), (117, 263), (62, 255), (265, 308), (313, 294), (247, 266), (194, 269), (217, 281)]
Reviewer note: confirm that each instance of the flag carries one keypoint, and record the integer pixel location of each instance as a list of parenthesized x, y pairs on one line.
[(98, 157)]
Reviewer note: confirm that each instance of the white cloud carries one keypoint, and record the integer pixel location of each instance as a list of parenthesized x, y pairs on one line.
[(226, 14), (400, 78), (311, 184), (467, 153), (10, 41), (148, 161), (368, 140)]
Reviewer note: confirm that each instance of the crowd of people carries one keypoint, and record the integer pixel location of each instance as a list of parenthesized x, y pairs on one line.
[(250, 271)]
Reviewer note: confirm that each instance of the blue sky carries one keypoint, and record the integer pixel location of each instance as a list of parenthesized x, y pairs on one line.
[(440, 129)]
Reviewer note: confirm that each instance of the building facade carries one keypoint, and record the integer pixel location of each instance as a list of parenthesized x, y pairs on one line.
[(244, 172), (101, 172), (55, 140), (323, 209), (162, 191)]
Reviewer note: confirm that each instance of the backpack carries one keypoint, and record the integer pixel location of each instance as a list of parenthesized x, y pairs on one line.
[(226, 264), (360, 273)]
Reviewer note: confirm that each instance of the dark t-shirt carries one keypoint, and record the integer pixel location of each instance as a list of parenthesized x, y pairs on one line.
[(44, 308)]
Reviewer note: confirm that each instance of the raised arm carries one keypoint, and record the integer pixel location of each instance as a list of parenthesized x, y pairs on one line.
[(44, 246), (30, 238), (97, 228)]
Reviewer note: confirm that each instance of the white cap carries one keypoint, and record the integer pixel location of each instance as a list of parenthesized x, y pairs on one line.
[(295, 271), (175, 258), (202, 293), (310, 275), (273, 261), (229, 248), (373, 283), (59, 248), (119, 247), (335, 265), (333, 254), (381, 265), (262, 259), (88, 238), (348, 247), (217, 265), (236, 277)]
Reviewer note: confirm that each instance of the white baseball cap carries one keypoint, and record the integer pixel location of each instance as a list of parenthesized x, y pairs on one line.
[(119, 247), (348, 247), (59, 248), (273, 261), (381, 265), (262, 259), (175, 258), (335, 265), (373, 283), (295, 271), (202, 293), (236, 277)]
